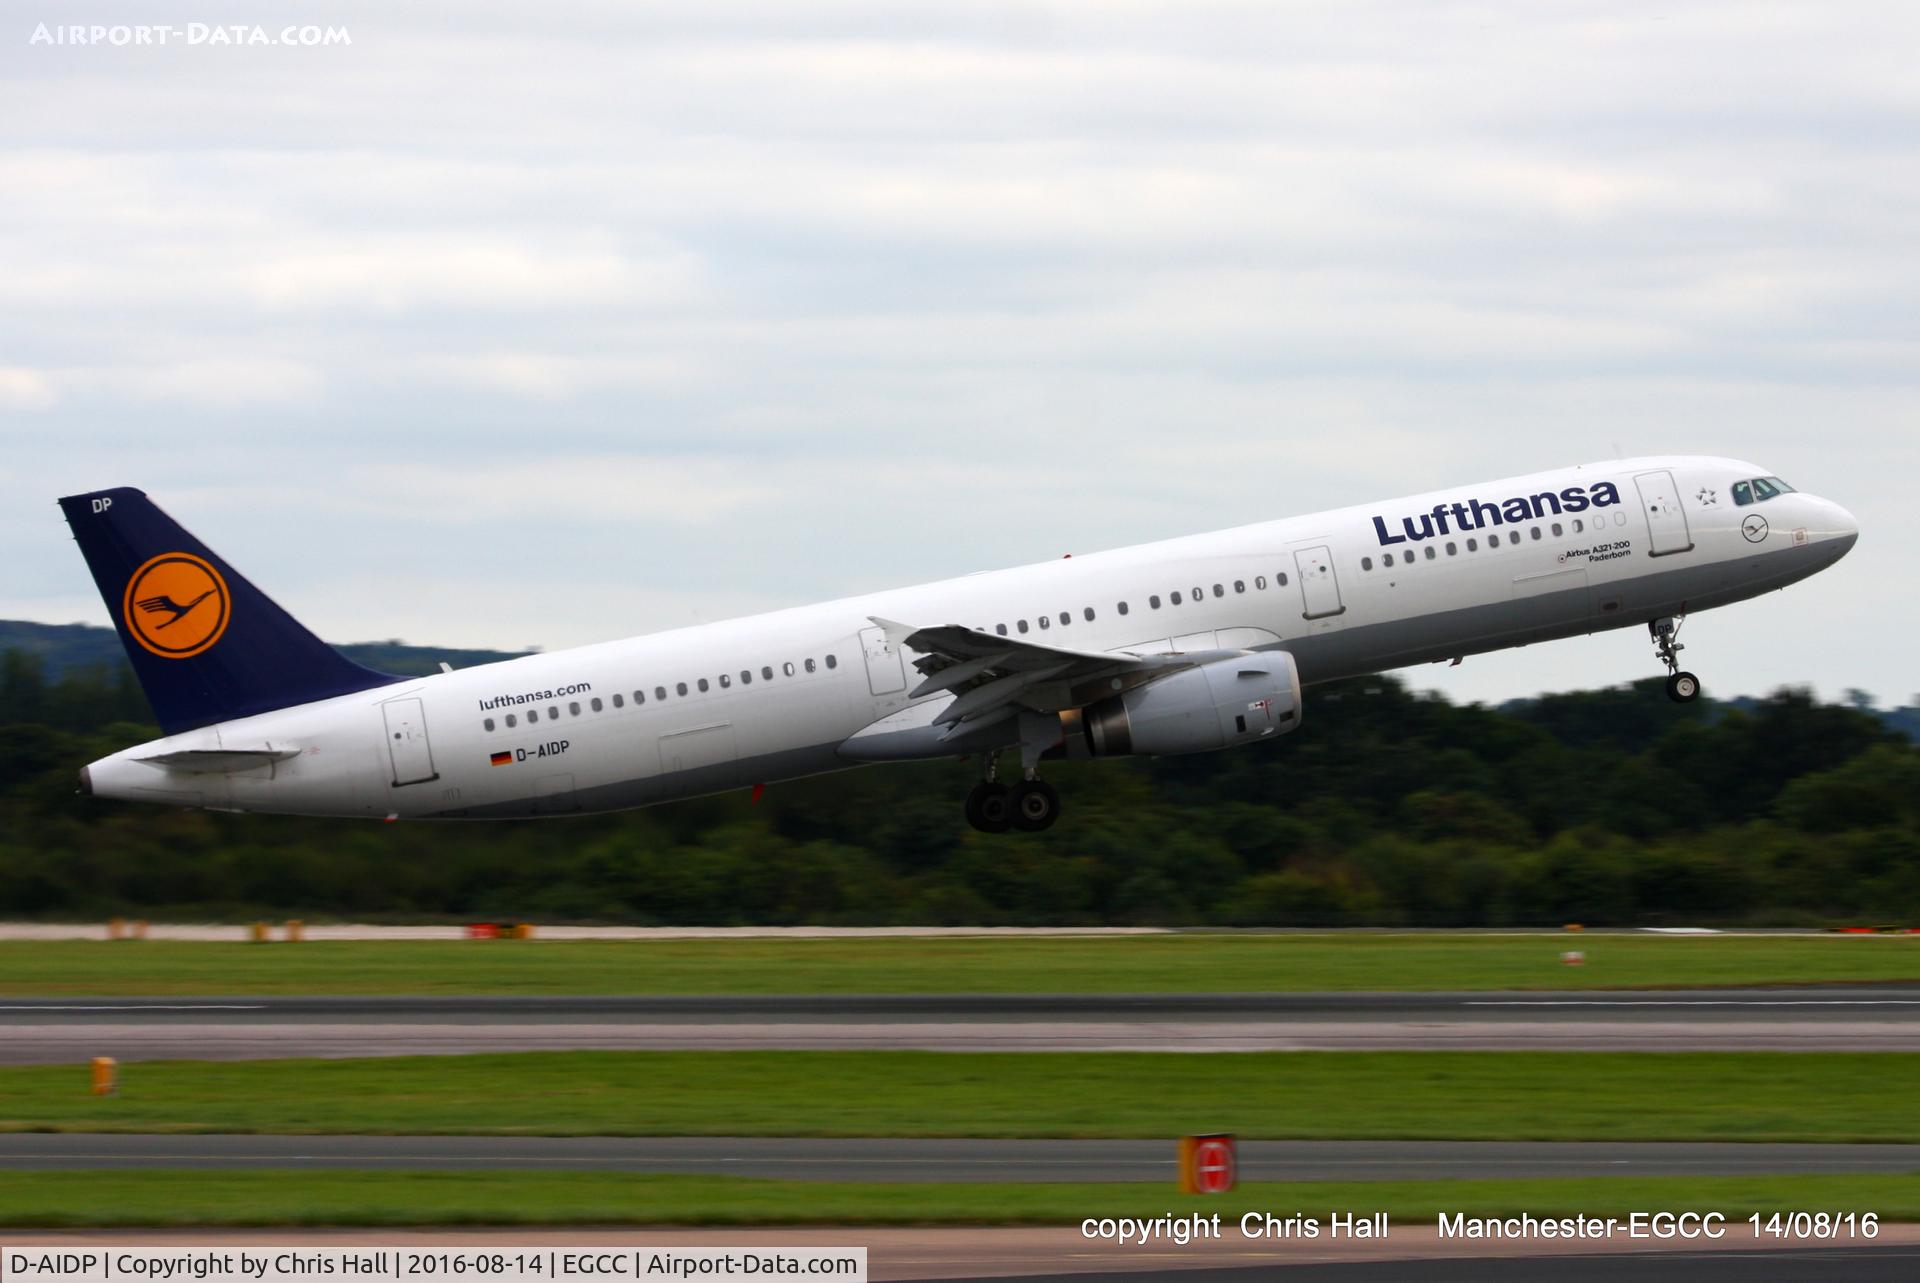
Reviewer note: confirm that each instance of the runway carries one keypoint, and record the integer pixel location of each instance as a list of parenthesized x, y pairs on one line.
[(1411, 1250), (1852, 1018), (1889, 1263), (886, 1159)]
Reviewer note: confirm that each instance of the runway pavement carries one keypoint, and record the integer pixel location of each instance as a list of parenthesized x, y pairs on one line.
[(1042, 1252), (810, 1158), (1890, 1263), (1853, 1018)]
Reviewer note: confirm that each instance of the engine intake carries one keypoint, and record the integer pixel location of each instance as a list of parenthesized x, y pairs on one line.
[(1218, 705)]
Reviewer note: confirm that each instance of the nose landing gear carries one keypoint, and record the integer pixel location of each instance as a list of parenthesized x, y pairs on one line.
[(1682, 687)]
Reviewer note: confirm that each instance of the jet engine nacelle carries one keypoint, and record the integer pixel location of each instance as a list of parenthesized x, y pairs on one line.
[(1216, 705)]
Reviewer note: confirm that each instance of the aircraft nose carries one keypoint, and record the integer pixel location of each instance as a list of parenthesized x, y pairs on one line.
[(1846, 530)]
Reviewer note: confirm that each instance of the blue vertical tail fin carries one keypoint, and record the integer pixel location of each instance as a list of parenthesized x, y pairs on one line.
[(206, 645)]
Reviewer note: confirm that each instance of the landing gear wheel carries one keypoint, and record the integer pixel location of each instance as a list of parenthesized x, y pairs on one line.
[(1682, 687), (989, 808), (1035, 806)]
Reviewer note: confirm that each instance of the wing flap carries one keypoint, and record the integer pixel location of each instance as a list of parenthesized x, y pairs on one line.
[(993, 677)]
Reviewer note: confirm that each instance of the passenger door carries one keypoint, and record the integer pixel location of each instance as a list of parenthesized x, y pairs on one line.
[(407, 746), (1319, 586), (1667, 531)]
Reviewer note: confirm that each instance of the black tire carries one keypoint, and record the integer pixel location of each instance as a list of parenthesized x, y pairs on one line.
[(989, 808), (1683, 688), (1035, 806)]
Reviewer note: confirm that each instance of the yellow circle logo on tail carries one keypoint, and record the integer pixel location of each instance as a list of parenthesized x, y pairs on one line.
[(176, 605)]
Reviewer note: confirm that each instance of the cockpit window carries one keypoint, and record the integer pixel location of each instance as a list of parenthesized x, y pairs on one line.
[(1759, 490)]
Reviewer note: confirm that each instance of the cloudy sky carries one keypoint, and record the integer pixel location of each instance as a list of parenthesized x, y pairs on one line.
[(545, 324)]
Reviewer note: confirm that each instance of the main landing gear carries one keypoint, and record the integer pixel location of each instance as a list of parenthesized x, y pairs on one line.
[(1030, 805), (1682, 687)]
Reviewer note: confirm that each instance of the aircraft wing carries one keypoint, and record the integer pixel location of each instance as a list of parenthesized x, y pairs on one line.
[(994, 677)]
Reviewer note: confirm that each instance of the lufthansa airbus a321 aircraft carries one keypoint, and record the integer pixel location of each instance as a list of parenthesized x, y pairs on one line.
[(1183, 646)]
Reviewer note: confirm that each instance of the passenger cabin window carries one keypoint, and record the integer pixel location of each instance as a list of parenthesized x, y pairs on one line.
[(833, 661), (1001, 629), (726, 682), (766, 672), (1557, 532), (702, 683), (1021, 624), (1453, 550), (1536, 532), (1219, 591), (1120, 606), (1407, 556), (1174, 597), (1280, 580), (596, 705), (533, 715), (1473, 545), (1513, 536), (787, 668), (746, 677), (1239, 585), (489, 723), (1197, 594), (1260, 583), (659, 692), (1087, 614), (553, 712), (1431, 554), (1154, 602), (810, 665), (1045, 622), (680, 688), (1066, 617), (1366, 563), (509, 721)]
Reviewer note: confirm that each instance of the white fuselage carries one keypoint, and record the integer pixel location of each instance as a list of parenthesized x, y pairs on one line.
[(780, 695)]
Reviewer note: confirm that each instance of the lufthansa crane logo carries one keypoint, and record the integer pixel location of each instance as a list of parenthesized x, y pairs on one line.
[(176, 605)]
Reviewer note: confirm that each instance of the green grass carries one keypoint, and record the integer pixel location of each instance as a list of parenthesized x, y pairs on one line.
[(1180, 963), (1819, 1096), (51, 1200)]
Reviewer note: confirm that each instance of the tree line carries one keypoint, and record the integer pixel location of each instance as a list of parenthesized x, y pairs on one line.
[(1387, 807)]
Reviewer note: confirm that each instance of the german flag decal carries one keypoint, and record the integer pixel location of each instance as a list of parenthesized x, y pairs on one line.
[(501, 759)]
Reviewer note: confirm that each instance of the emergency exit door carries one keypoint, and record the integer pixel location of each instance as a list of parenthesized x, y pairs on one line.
[(407, 745), (885, 672), (1319, 587), (1666, 520)]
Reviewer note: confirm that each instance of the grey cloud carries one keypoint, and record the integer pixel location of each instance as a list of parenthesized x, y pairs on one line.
[(729, 306)]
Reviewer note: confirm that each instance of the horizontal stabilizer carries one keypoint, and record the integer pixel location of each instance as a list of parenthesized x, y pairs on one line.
[(219, 761)]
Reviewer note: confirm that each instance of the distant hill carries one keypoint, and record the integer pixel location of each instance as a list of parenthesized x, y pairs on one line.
[(64, 648)]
